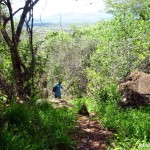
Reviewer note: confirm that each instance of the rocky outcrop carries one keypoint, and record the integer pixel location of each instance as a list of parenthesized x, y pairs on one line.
[(135, 90)]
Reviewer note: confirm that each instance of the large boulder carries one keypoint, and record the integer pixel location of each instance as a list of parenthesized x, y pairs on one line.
[(135, 90)]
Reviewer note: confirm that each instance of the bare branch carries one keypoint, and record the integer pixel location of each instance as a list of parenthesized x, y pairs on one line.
[(3, 16), (6, 19), (18, 10), (12, 22), (3, 21), (6, 37), (27, 8)]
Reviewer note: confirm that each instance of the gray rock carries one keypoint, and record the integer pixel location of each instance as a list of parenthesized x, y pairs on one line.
[(135, 90)]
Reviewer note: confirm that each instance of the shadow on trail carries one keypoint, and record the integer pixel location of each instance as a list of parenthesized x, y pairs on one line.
[(58, 103), (90, 135)]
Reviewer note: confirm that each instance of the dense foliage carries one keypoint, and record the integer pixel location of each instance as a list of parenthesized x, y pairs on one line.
[(131, 126), (91, 60), (92, 57), (35, 126)]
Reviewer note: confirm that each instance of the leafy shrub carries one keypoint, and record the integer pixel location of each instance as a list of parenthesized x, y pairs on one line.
[(17, 115), (130, 125), (36, 126)]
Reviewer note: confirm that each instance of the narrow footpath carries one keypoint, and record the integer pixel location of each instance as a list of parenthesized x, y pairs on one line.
[(90, 134)]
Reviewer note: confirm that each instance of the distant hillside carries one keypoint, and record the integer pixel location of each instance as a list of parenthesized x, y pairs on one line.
[(72, 18)]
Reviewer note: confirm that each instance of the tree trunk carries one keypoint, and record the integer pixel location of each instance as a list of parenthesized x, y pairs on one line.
[(17, 71), (22, 74)]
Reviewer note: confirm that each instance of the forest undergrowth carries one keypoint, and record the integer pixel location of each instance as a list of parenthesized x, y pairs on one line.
[(40, 126), (90, 60), (36, 126), (130, 126)]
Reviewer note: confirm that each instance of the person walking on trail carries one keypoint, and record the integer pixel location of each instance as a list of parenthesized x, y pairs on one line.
[(57, 90)]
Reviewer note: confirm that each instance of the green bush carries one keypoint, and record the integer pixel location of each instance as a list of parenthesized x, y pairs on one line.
[(17, 115), (36, 127), (130, 125)]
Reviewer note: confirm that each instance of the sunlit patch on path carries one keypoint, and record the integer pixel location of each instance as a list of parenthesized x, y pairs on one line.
[(90, 135), (59, 103)]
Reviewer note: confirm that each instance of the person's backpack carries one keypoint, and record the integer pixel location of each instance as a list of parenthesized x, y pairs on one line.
[(54, 88)]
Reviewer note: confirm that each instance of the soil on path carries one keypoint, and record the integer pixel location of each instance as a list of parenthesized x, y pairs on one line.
[(90, 134)]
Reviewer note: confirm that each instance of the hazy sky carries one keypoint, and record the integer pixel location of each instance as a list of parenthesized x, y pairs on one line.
[(47, 8)]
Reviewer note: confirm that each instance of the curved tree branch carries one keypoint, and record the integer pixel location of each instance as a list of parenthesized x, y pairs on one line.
[(27, 8), (12, 22), (18, 10), (21, 72)]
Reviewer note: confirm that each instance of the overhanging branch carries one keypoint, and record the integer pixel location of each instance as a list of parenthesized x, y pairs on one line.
[(27, 8), (17, 10)]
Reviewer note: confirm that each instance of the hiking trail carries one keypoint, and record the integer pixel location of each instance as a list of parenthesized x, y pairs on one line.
[(90, 135)]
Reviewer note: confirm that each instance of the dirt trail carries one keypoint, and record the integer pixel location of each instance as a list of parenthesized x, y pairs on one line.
[(90, 134), (58, 103)]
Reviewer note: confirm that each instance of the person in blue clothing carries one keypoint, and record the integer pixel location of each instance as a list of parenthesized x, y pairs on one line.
[(57, 90)]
